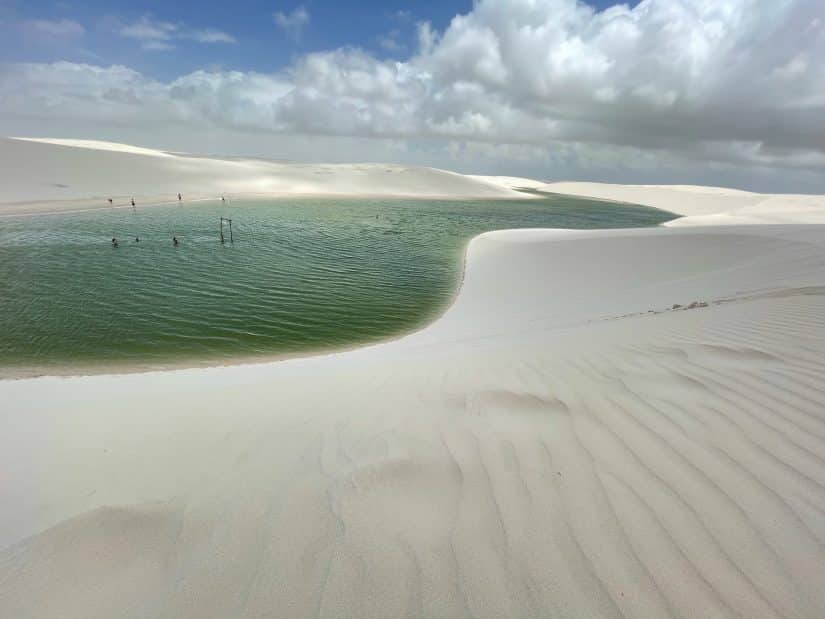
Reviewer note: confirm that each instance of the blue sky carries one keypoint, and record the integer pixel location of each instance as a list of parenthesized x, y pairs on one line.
[(728, 92), (261, 44), (386, 29)]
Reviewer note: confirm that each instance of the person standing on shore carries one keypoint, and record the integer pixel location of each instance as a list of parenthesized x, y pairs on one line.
[(133, 201), (179, 197)]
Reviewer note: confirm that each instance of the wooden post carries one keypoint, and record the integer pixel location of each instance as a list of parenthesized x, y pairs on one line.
[(231, 238)]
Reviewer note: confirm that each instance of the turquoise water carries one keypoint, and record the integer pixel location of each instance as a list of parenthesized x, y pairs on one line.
[(302, 275)]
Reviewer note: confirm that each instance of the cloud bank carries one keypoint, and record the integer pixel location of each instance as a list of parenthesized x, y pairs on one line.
[(725, 84)]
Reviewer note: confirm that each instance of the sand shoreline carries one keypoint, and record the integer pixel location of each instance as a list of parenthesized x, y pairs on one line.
[(68, 207)]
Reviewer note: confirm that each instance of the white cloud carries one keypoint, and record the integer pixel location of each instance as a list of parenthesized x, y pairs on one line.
[(292, 23), (148, 31), (390, 41), (156, 45), (678, 85), (156, 35), (212, 36), (427, 38), (67, 28)]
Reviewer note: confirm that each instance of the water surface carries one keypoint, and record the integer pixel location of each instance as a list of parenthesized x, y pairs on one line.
[(302, 275)]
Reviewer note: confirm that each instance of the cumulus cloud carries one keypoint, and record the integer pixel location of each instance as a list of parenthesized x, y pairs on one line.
[(666, 83), (292, 23), (157, 35)]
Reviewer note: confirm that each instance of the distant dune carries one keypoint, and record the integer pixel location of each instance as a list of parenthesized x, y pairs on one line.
[(699, 205), (612, 424), (45, 175)]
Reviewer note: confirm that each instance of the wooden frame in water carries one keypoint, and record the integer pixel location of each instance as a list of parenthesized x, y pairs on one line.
[(231, 239)]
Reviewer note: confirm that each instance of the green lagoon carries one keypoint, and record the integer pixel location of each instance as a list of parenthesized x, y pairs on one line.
[(302, 275)]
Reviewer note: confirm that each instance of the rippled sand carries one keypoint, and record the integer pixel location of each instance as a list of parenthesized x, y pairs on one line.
[(563, 442)]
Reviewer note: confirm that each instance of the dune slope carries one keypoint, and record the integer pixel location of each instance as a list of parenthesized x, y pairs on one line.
[(706, 206), (48, 175), (561, 443), (699, 206)]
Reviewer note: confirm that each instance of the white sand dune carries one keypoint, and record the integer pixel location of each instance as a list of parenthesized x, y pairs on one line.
[(699, 206), (511, 182), (115, 147), (561, 443), (704, 206), (51, 175)]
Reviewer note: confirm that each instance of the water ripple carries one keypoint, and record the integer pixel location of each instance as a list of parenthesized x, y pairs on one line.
[(302, 273)]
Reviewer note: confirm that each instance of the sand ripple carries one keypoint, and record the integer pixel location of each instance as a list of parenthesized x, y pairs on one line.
[(666, 464)]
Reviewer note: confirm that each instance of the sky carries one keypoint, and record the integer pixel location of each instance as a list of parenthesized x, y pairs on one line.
[(719, 92)]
